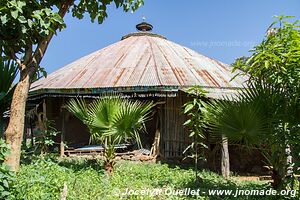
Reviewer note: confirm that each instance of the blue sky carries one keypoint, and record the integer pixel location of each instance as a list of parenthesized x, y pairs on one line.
[(221, 29)]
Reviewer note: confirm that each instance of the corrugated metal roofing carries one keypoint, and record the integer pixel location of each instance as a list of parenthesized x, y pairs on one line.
[(145, 60)]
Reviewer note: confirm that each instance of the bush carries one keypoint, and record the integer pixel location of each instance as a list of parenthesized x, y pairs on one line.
[(45, 177), (6, 176)]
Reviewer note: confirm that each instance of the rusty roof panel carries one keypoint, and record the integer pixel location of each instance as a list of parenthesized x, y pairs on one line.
[(141, 60)]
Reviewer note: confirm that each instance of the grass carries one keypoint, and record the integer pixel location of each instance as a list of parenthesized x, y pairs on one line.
[(44, 178)]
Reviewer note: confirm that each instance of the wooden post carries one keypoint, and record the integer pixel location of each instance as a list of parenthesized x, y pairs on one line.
[(155, 146), (225, 165), (31, 131), (64, 193), (62, 136), (44, 111), (155, 150)]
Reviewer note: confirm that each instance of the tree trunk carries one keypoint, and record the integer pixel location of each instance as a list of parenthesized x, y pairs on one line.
[(109, 166), (15, 129), (281, 170), (109, 163), (225, 166)]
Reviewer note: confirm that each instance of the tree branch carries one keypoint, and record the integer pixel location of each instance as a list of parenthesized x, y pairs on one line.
[(15, 58), (43, 45), (28, 54)]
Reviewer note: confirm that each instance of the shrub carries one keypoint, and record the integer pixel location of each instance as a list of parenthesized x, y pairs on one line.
[(45, 177), (6, 176)]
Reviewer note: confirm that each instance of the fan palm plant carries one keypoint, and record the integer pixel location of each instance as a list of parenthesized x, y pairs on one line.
[(112, 120), (8, 73), (239, 121), (254, 118), (268, 113)]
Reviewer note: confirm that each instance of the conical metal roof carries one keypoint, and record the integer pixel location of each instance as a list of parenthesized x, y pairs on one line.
[(140, 61)]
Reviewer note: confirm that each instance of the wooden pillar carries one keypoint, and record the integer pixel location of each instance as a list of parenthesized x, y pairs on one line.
[(31, 131), (44, 111), (225, 165), (62, 136), (155, 150)]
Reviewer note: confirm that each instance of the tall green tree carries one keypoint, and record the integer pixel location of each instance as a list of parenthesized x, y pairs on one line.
[(111, 121), (267, 113), (194, 110), (252, 120), (26, 29), (203, 114), (8, 73), (275, 63)]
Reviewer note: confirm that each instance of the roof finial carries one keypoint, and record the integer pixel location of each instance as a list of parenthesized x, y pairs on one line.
[(144, 26)]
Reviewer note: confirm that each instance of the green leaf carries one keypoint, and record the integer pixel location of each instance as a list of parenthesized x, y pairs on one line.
[(57, 19), (192, 134), (5, 183), (24, 29), (188, 122), (188, 108), (30, 23), (21, 4), (14, 14), (22, 19), (5, 193), (3, 19)]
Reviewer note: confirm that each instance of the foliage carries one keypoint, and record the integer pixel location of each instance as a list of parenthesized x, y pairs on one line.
[(44, 138), (112, 120), (241, 119), (276, 59), (4, 150), (26, 30), (25, 23), (194, 110), (6, 176), (8, 73), (274, 71), (44, 179), (240, 64), (252, 119), (247, 120), (275, 63), (97, 9)]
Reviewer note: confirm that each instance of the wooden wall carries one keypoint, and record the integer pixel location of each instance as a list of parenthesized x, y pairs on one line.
[(174, 137), (75, 132)]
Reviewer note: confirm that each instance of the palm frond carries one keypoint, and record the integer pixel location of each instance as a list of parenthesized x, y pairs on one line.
[(131, 119), (245, 119), (8, 73), (111, 118), (79, 108), (103, 111)]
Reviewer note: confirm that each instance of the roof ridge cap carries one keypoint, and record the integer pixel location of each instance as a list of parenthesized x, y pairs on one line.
[(142, 33)]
